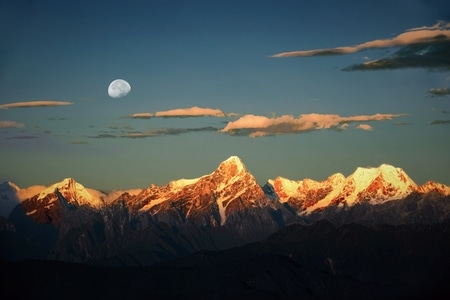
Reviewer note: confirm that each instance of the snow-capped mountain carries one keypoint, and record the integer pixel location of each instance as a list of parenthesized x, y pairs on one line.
[(304, 193), (229, 188), (72, 191), (45, 207), (374, 185)]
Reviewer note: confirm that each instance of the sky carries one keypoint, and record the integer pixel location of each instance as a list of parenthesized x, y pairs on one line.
[(298, 89)]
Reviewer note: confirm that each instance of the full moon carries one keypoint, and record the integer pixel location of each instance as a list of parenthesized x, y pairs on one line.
[(118, 88)]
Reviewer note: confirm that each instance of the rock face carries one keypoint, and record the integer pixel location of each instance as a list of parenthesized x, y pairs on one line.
[(226, 208)]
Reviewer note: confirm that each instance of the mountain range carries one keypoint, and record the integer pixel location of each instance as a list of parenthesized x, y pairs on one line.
[(226, 209), (230, 187)]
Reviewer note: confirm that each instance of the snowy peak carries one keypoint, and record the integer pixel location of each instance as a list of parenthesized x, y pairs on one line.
[(388, 172), (47, 205), (385, 182), (72, 191), (373, 185), (231, 167), (233, 159), (211, 197), (380, 184), (306, 192)]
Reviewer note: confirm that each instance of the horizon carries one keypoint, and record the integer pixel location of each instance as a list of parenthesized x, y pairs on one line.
[(297, 90)]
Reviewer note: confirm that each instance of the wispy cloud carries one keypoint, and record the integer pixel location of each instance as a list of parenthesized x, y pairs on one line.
[(439, 92), (154, 132), (34, 104), (431, 34), (22, 137), (78, 142), (142, 115), (102, 136), (11, 124), (439, 122), (256, 126), (366, 127), (194, 111), (426, 47)]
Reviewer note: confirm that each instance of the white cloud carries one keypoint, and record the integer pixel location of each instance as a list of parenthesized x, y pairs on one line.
[(11, 124), (343, 126), (142, 115), (113, 195), (256, 126), (194, 111), (431, 34), (34, 104), (30, 191), (366, 127)]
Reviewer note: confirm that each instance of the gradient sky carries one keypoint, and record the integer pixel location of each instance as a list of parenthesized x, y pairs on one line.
[(298, 115)]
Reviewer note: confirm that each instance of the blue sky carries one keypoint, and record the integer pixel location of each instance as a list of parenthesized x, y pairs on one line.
[(219, 55)]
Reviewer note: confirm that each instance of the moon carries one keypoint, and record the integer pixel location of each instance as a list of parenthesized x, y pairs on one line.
[(118, 88)]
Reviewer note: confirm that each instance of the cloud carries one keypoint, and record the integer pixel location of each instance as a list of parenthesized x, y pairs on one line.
[(432, 56), (424, 47), (78, 142), (103, 135), (34, 104), (342, 127), (22, 137), (142, 115), (366, 127), (439, 92), (155, 132), (194, 111), (430, 34), (256, 126), (439, 122), (11, 124)]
